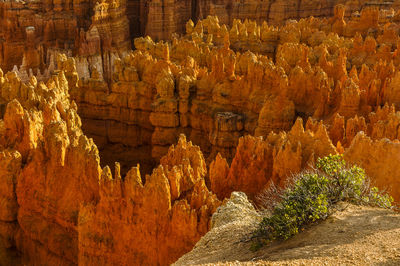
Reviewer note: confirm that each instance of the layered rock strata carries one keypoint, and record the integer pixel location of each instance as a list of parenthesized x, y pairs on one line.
[(261, 102), (57, 201), (260, 162), (203, 86), (161, 19), (33, 30)]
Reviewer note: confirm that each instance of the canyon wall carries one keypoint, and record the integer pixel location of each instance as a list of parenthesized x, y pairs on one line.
[(162, 19), (57, 201), (257, 104), (204, 86), (32, 31)]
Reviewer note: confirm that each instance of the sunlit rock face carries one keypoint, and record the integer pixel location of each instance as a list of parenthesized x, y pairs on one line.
[(31, 31), (116, 156), (161, 19), (56, 199)]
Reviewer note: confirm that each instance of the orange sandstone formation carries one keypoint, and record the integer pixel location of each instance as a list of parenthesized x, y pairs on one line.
[(58, 167), (31, 31), (379, 158), (203, 86), (239, 89), (55, 196), (150, 222), (259, 162)]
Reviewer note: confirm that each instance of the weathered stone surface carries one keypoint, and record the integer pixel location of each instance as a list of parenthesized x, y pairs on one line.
[(204, 85), (258, 162), (56, 199), (10, 165), (58, 173), (379, 158), (32, 32), (152, 221), (241, 91)]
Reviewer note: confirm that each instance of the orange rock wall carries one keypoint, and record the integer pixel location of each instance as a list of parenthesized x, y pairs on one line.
[(161, 19), (379, 158), (259, 162), (31, 31), (203, 86), (151, 223), (261, 102), (56, 199)]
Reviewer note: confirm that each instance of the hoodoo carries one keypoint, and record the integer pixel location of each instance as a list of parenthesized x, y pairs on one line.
[(126, 126)]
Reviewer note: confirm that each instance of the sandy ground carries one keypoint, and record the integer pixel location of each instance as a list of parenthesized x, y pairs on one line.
[(353, 236)]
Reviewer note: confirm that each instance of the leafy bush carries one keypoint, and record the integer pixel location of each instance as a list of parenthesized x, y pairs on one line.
[(312, 195)]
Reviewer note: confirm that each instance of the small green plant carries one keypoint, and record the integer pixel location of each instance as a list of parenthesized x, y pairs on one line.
[(311, 197)]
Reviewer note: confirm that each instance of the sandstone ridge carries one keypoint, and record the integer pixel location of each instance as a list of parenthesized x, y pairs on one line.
[(114, 156), (57, 201)]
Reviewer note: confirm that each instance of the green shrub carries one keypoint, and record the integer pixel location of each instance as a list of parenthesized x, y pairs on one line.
[(312, 195)]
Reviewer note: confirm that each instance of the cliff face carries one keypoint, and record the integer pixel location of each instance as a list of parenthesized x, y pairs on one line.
[(379, 158), (56, 199), (154, 221), (202, 85), (31, 31), (53, 168), (258, 163), (260, 102), (161, 19)]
